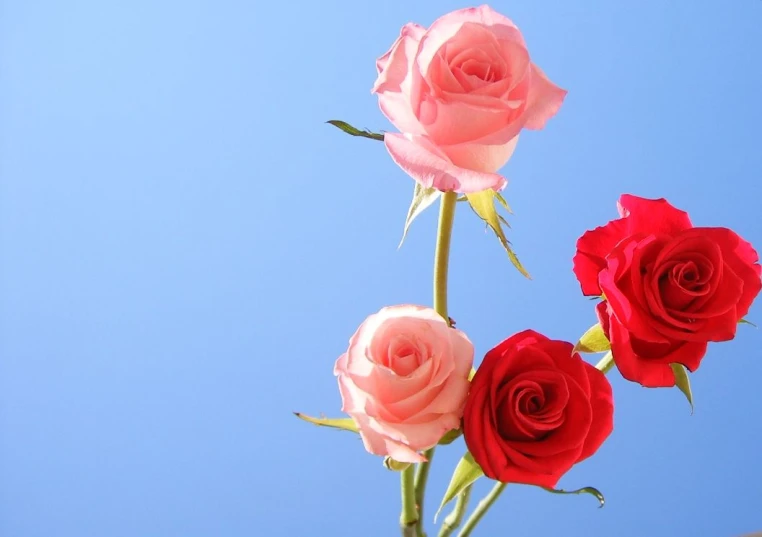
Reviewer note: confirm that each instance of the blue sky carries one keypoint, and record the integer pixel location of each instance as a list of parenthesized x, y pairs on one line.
[(186, 248)]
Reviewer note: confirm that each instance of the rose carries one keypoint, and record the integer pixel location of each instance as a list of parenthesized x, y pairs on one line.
[(535, 409), (461, 92), (404, 380), (669, 287)]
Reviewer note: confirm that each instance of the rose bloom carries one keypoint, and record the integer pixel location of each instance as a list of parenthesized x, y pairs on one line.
[(404, 380), (535, 409), (460, 93), (669, 287)]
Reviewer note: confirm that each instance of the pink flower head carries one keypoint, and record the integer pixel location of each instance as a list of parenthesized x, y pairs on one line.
[(404, 380), (460, 93)]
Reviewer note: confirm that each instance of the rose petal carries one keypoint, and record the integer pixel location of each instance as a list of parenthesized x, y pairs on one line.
[(645, 215), (484, 158), (602, 403), (456, 122), (410, 31), (543, 101), (447, 26), (394, 82), (592, 248), (420, 159), (742, 259), (653, 369)]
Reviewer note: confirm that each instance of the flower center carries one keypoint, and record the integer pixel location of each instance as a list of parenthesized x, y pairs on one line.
[(404, 356)]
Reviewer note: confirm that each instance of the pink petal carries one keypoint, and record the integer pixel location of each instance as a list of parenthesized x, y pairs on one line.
[(447, 26), (543, 101), (394, 80), (425, 163), (402, 453), (394, 65), (482, 157), (450, 123)]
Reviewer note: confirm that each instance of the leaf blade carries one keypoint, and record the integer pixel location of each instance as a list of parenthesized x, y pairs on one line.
[(344, 424), (682, 382), (584, 490), (466, 472), (353, 131), (423, 197)]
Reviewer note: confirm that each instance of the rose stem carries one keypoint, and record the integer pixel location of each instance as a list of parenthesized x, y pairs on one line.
[(441, 265), (409, 517), (484, 504), (606, 363), (453, 520)]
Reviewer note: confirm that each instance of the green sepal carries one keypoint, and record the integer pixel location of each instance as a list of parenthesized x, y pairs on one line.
[(483, 204), (499, 197), (744, 321), (594, 340), (450, 436), (349, 129), (423, 197), (584, 490), (683, 382), (345, 424), (395, 466)]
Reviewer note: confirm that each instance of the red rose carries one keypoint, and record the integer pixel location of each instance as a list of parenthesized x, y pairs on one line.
[(669, 287), (534, 410)]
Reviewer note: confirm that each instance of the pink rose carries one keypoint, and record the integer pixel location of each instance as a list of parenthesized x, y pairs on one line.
[(460, 93), (404, 380)]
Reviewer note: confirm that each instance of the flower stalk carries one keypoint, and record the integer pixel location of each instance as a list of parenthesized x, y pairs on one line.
[(409, 516), (441, 266), (481, 509), (453, 520)]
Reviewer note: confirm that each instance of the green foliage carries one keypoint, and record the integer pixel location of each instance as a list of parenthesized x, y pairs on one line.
[(349, 129), (483, 204)]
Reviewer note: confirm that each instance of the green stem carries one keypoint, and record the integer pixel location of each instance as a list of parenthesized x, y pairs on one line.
[(606, 363), (441, 265), (481, 509), (453, 520), (442, 252), (409, 516), (421, 477)]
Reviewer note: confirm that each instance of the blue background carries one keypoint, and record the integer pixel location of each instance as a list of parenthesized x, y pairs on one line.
[(186, 248)]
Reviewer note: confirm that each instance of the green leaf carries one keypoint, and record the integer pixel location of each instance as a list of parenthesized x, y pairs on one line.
[(744, 321), (483, 204), (349, 129), (394, 466), (683, 382), (584, 490), (422, 198), (594, 340), (345, 424), (450, 437), (504, 203), (465, 473)]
